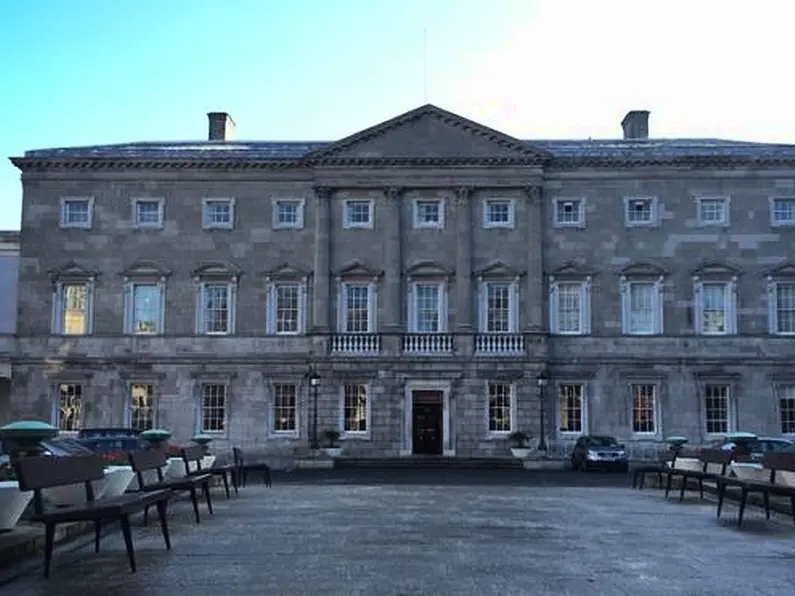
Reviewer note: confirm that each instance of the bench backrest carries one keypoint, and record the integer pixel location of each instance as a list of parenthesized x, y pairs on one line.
[(715, 456), (191, 454), (146, 460), (36, 473), (238, 456), (781, 461)]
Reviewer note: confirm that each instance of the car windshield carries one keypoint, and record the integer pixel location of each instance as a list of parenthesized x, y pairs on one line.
[(64, 446), (603, 442)]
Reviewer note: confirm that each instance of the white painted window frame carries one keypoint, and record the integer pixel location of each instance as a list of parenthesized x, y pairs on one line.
[(731, 305), (128, 406), (342, 306), (418, 224), (59, 312), (585, 306), (349, 225), (300, 204), (272, 306), (656, 409), (55, 416), (772, 301), (658, 323), (585, 389), (355, 434), (500, 434), (725, 222), (231, 301), (781, 390), (129, 305), (64, 202), (161, 203), (301, 399), (490, 224), (780, 223), (210, 225), (731, 408), (653, 208), (513, 305), (557, 202), (442, 306), (199, 422)]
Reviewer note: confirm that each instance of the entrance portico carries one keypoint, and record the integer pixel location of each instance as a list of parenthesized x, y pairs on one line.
[(427, 415)]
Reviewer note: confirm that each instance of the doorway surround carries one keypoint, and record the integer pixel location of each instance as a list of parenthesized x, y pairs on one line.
[(406, 442)]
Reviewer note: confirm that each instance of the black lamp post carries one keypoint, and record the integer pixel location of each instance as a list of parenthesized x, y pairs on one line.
[(541, 382), (314, 383)]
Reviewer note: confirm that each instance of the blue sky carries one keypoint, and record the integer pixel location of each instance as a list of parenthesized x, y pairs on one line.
[(93, 71)]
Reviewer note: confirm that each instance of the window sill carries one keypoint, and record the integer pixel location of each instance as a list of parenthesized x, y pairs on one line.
[(217, 227), (501, 435), (499, 225), (355, 436), (358, 226), (75, 226)]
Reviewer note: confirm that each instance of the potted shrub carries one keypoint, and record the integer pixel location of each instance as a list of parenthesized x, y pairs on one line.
[(12, 500), (521, 444), (332, 448)]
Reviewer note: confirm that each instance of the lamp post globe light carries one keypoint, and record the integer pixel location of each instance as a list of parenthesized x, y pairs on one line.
[(314, 383), (541, 382)]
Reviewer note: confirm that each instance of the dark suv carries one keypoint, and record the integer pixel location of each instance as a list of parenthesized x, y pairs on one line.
[(598, 451), (109, 440)]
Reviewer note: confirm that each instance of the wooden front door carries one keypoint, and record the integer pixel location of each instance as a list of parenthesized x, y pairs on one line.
[(426, 422)]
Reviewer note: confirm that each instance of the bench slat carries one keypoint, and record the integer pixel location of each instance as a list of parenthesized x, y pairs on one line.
[(49, 471)]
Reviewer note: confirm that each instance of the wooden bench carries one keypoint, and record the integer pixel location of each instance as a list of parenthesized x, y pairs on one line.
[(659, 467), (195, 455), (775, 461), (244, 468), (707, 457), (37, 473), (154, 459)]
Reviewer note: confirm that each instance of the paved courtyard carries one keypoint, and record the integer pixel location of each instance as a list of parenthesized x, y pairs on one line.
[(332, 535)]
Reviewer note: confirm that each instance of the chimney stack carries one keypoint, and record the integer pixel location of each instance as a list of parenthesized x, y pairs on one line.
[(636, 124), (222, 127)]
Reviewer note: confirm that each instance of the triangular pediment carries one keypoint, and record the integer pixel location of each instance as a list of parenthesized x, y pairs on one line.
[(498, 269), (716, 269), (428, 269), (72, 270), (287, 271), (145, 269), (428, 133), (784, 270), (217, 269), (357, 269), (572, 269), (643, 269)]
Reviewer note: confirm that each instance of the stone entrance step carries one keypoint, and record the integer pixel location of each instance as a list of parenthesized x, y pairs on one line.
[(425, 462)]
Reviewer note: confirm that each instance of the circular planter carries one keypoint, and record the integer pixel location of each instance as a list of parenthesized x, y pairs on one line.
[(521, 452), (12, 504), (23, 436), (750, 471), (156, 436), (117, 480)]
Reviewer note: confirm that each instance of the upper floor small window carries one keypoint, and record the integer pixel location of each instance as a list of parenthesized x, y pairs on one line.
[(782, 211), (640, 211), (148, 213), (713, 211), (77, 212), (358, 213), (288, 214), (428, 213), (569, 213), (218, 214), (499, 213)]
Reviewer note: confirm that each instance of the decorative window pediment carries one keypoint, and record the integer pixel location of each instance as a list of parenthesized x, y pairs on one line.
[(572, 270), (357, 269), (428, 269), (217, 270), (715, 269), (145, 269), (498, 270), (786, 270), (72, 271), (643, 269), (286, 271)]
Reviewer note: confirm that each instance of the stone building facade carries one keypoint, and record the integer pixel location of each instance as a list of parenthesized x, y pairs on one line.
[(428, 270), (9, 273)]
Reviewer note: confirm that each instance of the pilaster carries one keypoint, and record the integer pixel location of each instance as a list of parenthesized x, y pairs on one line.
[(393, 260), (321, 303), (534, 299), (463, 259)]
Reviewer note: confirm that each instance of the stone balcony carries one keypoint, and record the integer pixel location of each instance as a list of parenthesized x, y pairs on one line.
[(499, 344), (355, 344), (428, 344)]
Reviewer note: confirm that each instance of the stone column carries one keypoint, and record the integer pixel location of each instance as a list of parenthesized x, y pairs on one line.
[(463, 260), (321, 306), (392, 305), (534, 298)]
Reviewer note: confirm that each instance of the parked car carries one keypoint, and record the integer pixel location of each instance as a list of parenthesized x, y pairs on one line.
[(111, 440), (599, 451), (759, 446), (64, 447)]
